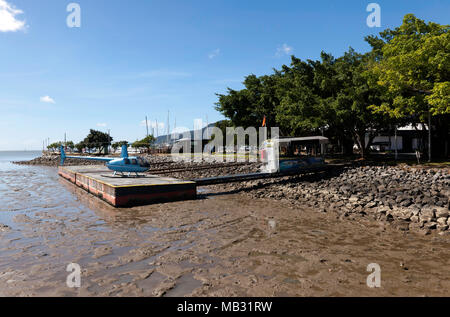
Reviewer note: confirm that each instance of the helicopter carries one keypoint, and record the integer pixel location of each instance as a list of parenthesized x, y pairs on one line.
[(121, 165)]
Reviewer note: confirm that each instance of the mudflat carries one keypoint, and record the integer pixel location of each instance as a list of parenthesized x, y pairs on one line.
[(223, 244)]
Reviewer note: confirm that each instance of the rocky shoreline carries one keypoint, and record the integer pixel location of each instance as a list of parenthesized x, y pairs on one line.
[(54, 161), (408, 198)]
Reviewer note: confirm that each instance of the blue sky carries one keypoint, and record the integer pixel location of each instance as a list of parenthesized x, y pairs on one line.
[(135, 58)]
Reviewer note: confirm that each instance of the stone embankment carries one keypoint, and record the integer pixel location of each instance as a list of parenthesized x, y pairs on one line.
[(410, 198), (54, 160)]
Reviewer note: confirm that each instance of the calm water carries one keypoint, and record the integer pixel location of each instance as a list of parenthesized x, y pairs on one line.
[(8, 156), (27, 189)]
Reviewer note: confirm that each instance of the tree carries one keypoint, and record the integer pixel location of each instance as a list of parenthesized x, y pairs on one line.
[(413, 65), (248, 107), (119, 144), (351, 105), (300, 108), (309, 97), (80, 146), (403, 78), (70, 145), (54, 146), (144, 143), (97, 140)]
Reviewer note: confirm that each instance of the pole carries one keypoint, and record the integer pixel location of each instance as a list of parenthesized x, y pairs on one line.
[(396, 151), (207, 128), (168, 126), (109, 141), (429, 136), (146, 125)]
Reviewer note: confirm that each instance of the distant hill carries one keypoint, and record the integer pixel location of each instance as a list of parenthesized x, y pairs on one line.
[(173, 137)]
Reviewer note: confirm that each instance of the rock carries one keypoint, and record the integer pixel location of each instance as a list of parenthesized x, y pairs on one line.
[(442, 221), (430, 225), (427, 215), (415, 226), (441, 212), (4, 228), (402, 225), (425, 232), (442, 228), (415, 210), (371, 204)]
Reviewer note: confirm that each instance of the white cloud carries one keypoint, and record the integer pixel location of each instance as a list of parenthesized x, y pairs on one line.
[(47, 99), (214, 53), (8, 20), (284, 50), (102, 125)]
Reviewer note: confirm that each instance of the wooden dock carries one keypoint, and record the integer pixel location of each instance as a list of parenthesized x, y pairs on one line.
[(128, 191)]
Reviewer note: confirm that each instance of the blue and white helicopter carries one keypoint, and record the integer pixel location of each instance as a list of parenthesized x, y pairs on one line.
[(122, 165)]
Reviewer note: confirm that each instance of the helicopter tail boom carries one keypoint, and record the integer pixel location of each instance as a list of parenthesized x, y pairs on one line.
[(101, 159)]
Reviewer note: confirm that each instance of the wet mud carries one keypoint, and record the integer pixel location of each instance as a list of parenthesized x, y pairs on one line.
[(223, 244)]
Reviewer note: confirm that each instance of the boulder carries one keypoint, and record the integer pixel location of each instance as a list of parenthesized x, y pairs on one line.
[(441, 212), (430, 225), (427, 215), (442, 221)]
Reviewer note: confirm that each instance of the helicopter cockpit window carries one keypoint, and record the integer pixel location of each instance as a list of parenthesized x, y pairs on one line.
[(133, 162), (126, 161), (143, 162)]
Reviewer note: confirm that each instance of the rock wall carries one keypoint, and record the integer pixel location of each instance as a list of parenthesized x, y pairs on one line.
[(410, 198)]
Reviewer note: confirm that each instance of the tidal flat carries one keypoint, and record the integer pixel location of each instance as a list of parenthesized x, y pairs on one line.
[(225, 243)]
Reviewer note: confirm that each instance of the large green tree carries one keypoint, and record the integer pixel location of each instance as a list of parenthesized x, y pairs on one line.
[(97, 140), (145, 143), (413, 65), (249, 106)]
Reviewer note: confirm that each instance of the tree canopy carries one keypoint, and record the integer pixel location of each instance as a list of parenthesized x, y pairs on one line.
[(413, 64), (95, 140), (119, 144), (354, 96), (145, 143)]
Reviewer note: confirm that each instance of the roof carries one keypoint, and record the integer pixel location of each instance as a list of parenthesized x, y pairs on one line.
[(320, 139)]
